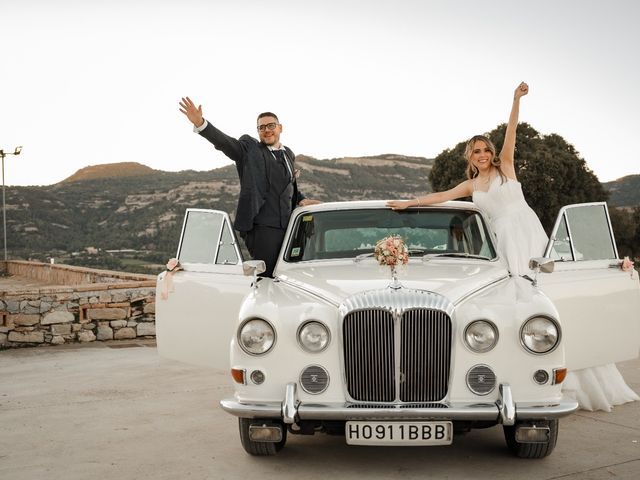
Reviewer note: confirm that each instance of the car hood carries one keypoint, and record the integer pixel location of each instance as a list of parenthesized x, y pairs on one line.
[(336, 281)]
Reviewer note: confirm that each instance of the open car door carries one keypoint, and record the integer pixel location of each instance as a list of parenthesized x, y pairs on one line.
[(598, 302), (196, 321)]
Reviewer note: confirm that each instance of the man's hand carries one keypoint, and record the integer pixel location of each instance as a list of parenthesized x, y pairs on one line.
[(306, 201), (193, 114)]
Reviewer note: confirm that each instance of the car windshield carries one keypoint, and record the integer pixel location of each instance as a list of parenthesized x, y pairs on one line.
[(353, 233)]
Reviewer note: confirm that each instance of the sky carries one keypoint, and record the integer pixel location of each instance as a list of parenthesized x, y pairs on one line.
[(87, 82)]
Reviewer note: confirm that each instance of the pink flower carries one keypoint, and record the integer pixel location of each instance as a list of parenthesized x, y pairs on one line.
[(626, 264), (173, 264), (391, 251)]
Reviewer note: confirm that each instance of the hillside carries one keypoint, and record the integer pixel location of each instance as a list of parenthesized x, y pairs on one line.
[(142, 209), (129, 206), (625, 191), (110, 170)]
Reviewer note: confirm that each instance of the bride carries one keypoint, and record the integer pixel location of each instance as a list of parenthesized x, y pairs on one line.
[(493, 185)]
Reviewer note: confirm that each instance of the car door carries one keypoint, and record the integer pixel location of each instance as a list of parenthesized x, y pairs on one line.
[(195, 322), (598, 302)]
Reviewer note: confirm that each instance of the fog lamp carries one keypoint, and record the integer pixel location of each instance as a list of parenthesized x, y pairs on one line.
[(541, 377), (532, 434), (265, 433), (257, 377)]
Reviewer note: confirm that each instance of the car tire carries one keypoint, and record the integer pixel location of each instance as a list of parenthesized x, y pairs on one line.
[(532, 450), (260, 448)]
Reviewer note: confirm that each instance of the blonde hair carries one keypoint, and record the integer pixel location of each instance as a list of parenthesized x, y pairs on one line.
[(472, 171)]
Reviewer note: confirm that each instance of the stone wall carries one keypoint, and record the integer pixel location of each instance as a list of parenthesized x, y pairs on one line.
[(57, 274), (115, 307)]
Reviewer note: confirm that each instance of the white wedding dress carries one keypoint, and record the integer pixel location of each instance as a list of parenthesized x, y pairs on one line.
[(520, 236), (519, 233)]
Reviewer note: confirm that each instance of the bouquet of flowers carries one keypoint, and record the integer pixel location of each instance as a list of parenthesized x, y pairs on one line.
[(173, 266), (391, 251)]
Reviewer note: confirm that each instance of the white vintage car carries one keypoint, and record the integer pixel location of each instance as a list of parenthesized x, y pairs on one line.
[(332, 344)]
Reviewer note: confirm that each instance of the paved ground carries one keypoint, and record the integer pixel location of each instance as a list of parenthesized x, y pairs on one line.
[(9, 283), (101, 412)]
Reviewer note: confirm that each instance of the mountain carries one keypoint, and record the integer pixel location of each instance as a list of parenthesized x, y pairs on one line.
[(110, 170), (131, 206), (625, 191)]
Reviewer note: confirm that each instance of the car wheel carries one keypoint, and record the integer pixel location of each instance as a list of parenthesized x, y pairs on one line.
[(532, 450), (260, 448)]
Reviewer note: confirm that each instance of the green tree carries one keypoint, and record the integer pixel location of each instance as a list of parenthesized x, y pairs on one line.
[(625, 230), (550, 170)]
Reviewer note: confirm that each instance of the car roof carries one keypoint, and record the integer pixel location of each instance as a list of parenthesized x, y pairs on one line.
[(368, 204)]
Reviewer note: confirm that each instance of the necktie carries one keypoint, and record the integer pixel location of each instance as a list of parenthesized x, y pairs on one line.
[(279, 154)]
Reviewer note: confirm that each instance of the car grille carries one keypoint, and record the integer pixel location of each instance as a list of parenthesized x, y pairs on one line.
[(418, 372)]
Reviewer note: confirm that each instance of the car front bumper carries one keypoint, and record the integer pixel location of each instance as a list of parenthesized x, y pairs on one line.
[(504, 410)]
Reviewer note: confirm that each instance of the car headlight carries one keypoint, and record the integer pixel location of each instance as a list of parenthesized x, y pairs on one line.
[(313, 336), (481, 336), (256, 336), (540, 335)]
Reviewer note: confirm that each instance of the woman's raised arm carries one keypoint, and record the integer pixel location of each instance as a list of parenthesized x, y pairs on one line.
[(509, 145)]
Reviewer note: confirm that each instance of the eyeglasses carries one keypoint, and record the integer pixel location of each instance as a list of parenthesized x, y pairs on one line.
[(268, 126)]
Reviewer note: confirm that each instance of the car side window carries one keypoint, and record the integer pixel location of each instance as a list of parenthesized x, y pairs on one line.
[(200, 234), (207, 239), (583, 232), (227, 254), (561, 249)]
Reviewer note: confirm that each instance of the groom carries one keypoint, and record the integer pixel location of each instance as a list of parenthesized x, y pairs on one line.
[(268, 188)]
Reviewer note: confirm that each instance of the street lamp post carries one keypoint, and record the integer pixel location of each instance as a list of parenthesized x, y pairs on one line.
[(4, 209)]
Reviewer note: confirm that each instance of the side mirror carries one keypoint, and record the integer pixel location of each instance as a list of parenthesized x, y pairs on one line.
[(253, 267), (542, 264)]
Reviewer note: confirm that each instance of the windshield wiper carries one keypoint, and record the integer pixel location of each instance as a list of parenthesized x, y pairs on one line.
[(412, 251), (429, 256), (362, 256)]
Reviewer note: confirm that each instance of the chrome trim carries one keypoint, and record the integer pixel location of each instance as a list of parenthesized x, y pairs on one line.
[(506, 406), (480, 289), (396, 301), (289, 405), (372, 369), (305, 289), (451, 411)]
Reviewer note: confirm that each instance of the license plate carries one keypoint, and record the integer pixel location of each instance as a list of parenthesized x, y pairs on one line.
[(399, 433)]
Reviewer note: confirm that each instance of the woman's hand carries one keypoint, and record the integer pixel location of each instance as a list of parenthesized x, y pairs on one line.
[(399, 204), (521, 91)]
